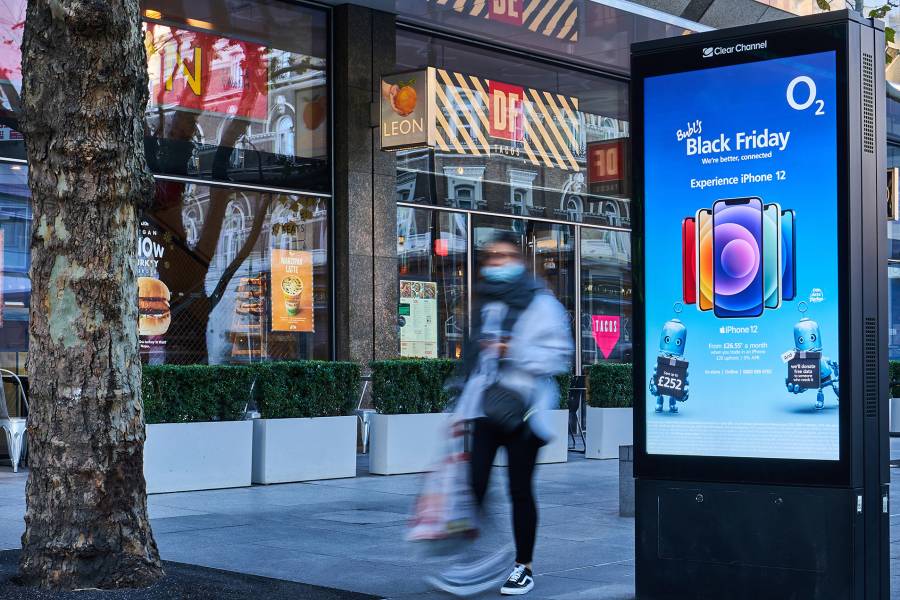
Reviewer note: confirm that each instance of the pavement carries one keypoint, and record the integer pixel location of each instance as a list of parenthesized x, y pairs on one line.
[(348, 533), (181, 581)]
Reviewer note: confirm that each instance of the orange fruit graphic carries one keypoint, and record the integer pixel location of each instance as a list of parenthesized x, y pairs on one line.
[(405, 100), (314, 113)]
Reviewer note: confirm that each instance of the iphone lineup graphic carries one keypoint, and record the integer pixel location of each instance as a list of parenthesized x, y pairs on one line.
[(739, 258)]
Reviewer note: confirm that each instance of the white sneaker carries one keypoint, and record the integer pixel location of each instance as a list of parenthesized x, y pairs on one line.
[(520, 582)]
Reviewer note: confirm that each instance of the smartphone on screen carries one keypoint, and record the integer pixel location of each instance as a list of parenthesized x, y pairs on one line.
[(738, 289), (772, 255), (703, 256), (788, 255), (688, 262)]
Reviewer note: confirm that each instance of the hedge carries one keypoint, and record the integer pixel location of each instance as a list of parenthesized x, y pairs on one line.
[(306, 389), (894, 373), (610, 385), (195, 393), (414, 386), (564, 382), (410, 386)]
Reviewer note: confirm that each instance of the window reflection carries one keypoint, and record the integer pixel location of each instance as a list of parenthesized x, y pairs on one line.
[(262, 104), (432, 248), (515, 137), (15, 261), (605, 293), (216, 251)]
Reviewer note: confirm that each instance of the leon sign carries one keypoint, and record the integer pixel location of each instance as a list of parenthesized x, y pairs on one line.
[(407, 109)]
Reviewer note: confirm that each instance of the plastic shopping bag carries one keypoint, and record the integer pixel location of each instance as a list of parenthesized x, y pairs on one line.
[(446, 508)]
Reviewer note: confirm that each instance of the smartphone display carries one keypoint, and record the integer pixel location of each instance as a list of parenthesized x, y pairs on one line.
[(788, 255), (772, 255), (738, 289), (688, 262), (703, 256)]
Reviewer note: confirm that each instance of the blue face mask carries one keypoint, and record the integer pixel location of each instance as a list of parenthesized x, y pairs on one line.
[(503, 273)]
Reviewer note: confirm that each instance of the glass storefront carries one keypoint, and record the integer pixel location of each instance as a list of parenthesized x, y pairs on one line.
[(238, 92), (219, 251), (237, 234), (237, 132), (555, 175)]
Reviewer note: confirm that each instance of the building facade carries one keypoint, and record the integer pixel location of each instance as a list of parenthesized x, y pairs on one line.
[(283, 230)]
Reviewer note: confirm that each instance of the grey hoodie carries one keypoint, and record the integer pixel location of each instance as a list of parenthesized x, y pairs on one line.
[(540, 346)]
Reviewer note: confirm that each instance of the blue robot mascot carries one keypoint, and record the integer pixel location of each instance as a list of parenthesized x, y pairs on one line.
[(807, 338), (672, 340)]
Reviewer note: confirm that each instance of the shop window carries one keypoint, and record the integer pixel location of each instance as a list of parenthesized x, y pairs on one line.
[(15, 261), (538, 160), (223, 68), (606, 295), (432, 249), (223, 254)]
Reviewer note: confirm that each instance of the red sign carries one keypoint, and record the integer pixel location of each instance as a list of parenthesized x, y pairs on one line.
[(203, 72), (507, 11), (507, 112), (606, 161), (607, 331)]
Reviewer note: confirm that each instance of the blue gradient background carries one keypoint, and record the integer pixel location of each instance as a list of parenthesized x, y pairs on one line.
[(730, 100)]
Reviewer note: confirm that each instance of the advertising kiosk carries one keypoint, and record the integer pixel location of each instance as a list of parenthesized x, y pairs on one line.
[(761, 448)]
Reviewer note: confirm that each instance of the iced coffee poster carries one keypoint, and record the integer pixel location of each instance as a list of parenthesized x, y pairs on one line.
[(292, 290), (418, 319)]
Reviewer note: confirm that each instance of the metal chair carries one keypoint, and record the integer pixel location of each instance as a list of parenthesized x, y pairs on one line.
[(14, 427), (576, 396), (364, 415)]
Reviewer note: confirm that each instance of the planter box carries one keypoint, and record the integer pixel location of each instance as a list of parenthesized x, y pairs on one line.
[(556, 451), (287, 450), (406, 443), (894, 412), (181, 457), (607, 429)]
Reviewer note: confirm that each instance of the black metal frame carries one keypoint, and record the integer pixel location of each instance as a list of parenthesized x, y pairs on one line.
[(664, 57)]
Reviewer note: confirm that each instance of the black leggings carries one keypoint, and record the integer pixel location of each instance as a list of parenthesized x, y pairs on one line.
[(522, 454)]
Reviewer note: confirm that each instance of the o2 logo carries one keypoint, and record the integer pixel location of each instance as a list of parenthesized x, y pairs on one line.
[(794, 89)]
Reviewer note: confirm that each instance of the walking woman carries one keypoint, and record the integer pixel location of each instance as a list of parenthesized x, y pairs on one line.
[(521, 338)]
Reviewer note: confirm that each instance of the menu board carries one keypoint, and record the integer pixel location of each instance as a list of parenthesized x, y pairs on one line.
[(418, 319), (292, 291)]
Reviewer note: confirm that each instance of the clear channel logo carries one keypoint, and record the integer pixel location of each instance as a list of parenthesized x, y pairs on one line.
[(711, 51)]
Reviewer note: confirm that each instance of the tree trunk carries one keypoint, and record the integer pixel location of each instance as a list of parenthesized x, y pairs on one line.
[(84, 93)]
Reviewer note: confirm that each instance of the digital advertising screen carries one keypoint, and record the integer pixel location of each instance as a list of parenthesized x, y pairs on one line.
[(741, 251)]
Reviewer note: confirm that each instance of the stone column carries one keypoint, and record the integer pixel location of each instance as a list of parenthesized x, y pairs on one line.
[(365, 215)]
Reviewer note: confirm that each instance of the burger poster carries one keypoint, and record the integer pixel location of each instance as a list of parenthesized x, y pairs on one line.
[(292, 290), (154, 314)]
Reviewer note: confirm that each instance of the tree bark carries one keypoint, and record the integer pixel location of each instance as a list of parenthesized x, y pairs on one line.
[(84, 94)]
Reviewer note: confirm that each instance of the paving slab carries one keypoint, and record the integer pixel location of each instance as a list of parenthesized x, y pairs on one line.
[(349, 534)]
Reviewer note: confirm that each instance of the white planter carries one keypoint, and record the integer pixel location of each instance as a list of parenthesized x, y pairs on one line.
[(181, 457), (406, 443), (556, 451), (894, 412), (607, 429), (303, 449)]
